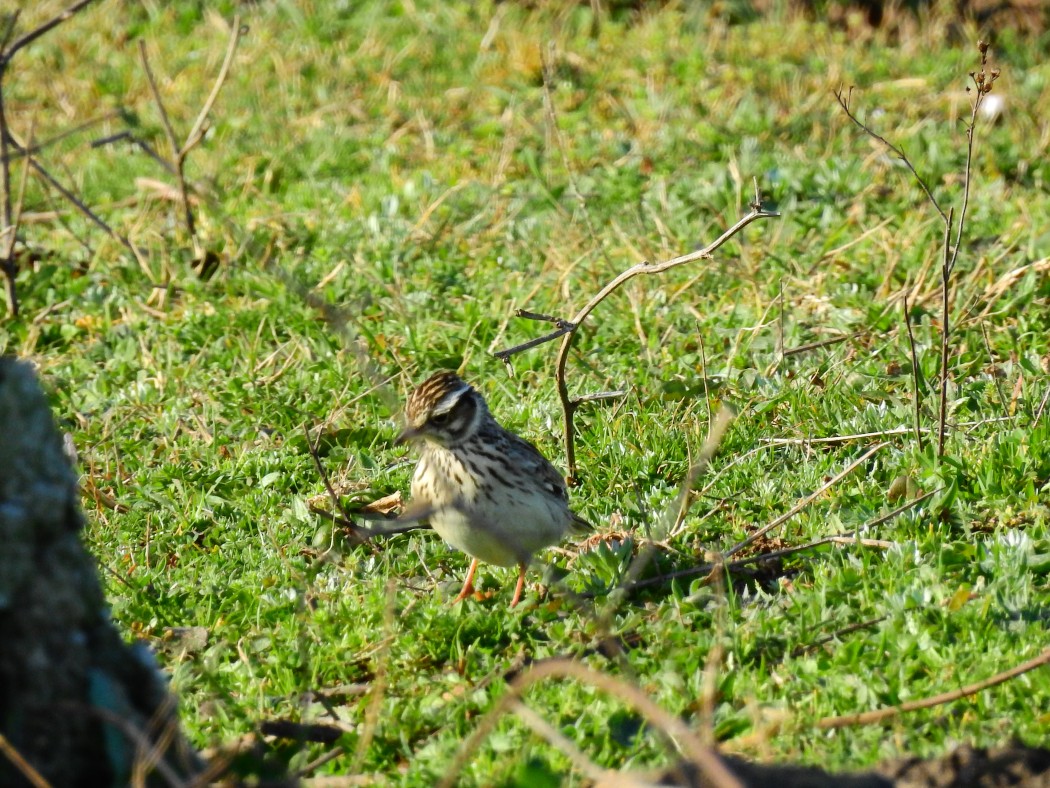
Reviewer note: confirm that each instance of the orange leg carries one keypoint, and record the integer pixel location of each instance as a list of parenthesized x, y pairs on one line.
[(519, 586), (468, 584)]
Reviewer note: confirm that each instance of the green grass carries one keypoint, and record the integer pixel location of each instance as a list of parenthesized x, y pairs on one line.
[(401, 164)]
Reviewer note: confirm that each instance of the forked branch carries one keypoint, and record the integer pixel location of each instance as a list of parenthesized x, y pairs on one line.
[(567, 328), (179, 151), (8, 144), (982, 86)]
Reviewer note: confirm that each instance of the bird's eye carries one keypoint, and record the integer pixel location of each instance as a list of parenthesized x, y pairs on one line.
[(440, 419)]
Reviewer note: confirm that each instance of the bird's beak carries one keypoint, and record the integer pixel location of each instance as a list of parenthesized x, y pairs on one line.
[(409, 434)]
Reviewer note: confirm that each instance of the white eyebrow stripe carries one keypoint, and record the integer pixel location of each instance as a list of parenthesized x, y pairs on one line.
[(450, 399)]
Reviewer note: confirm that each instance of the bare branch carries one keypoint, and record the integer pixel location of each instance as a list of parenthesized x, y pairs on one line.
[(730, 566), (897, 151), (347, 520), (7, 142), (982, 82), (15, 757), (916, 375), (600, 396), (176, 152), (568, 404), (540, 317), (142, 145), (34, 34), (80, 206), (564, 327), (9, 31), (197, 132), (946, 274), (37, 147), (807, 500), (879, 715), (795, 351)]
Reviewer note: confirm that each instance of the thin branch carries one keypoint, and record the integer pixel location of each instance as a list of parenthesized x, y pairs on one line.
[(197, 132), (703, 371), (806, 501), (708, 568), (142, 145), (946, 273), (897, 151), (856, 436), (564, 327), (527, 315), (347, 520), (1039, 410), (12, 20), (176, 152), (916, 375), (34, 34), (819, 344), (601, 396), (568, 404), (80, 206), (15, 757), (708, 763), (37, 147), (7, 262), (983, 85), (991, 361), (879, 715)]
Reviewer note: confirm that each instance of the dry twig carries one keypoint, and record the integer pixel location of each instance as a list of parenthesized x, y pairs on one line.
[(15, 757), (916, 375), (879, 715), (709, 765), (982, 84), (8, 225), (806, 501), (570, 404), (179, 152)]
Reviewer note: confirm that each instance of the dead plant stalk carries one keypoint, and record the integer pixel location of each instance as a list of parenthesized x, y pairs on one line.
[(982, 86), (567, 328)]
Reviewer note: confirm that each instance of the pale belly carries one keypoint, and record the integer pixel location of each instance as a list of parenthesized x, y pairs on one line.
[(503, 526)]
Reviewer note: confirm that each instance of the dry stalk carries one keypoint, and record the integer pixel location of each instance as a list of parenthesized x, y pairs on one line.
[(916, 375), (805, 501), (879, 715), (706, 761), (8, 224), (982, 86), (846, 537), (15, 757), (180, 151), (569, 404)]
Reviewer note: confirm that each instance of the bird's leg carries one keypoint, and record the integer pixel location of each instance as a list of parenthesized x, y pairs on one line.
[(519, 586), (468, 584)]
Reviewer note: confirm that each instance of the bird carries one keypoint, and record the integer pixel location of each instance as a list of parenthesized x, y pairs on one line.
[(485, 490)]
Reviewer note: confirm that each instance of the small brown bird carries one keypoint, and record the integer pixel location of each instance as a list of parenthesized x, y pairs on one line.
[(485, 491)]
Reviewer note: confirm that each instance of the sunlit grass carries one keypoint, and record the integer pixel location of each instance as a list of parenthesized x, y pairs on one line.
[(407, 166)]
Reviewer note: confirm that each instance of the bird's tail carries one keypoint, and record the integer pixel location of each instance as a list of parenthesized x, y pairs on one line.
[(579, 525)]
